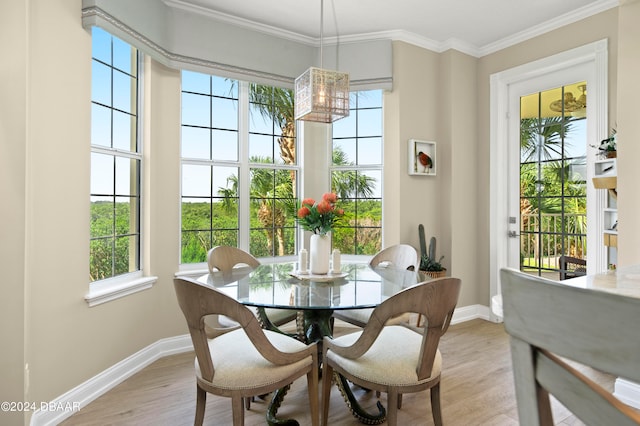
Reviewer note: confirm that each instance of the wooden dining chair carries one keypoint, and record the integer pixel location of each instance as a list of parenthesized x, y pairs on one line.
[(224, 259), (243, 362), (395, 359), (552, 324), (401, 256)]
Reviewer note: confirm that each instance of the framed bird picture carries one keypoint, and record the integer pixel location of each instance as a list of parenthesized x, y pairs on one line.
[(422, 157)]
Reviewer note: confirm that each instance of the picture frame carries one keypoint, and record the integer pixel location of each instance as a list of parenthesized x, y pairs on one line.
[(422, 157)]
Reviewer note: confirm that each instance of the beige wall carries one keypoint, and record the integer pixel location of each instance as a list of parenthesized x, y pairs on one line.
[(44, 153), (411, 112), (45, 133), (13, 152), (433, 99), (460, 187), (628, 124)]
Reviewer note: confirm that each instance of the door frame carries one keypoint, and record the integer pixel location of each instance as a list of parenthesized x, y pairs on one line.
[(593, 56)]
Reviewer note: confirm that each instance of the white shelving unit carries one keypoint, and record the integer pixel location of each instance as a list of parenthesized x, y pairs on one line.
[(605, 177)]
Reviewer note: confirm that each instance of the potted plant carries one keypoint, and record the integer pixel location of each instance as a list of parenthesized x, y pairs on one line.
[(431, 267), (608, 147)]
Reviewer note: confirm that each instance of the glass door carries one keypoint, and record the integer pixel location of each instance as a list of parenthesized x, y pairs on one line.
[(553, 175)]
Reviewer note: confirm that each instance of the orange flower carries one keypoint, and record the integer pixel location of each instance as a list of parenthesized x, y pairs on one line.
[(303, 212), (320, 217), (324, 207), (330, 197)]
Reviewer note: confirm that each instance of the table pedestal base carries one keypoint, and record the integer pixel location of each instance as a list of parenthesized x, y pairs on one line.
[(315, 324)]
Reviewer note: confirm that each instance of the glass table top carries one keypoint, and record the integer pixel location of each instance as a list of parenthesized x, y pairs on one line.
[(274, 286)]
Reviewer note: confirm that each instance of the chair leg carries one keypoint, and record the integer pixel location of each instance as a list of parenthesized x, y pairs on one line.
[(312, 389), (399, 401), (201, 403), (392, 407), (435, 405), (247, 402), (237, 408), (327, 377)]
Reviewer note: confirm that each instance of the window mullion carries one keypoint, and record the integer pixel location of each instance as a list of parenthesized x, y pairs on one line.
[(243, 169)]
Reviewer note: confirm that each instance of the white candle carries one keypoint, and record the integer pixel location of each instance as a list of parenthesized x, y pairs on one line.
[(336, 261), (302, 260)]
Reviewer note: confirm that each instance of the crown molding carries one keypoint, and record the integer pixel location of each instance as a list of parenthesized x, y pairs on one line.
[(553, 24), (405, 36), (243, 23)]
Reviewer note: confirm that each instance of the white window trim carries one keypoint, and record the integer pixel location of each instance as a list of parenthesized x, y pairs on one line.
[(113, 288), (594, 54), (116, 287), (244, 166)]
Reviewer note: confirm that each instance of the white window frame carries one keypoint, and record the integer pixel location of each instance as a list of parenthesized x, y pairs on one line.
[(244, 167), (364, 168), (112, 288)]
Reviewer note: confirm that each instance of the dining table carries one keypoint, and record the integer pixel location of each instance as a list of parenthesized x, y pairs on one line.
[(281, 285)]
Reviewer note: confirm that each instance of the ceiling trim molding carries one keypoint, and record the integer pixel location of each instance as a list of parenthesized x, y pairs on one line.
[(405, 36), (553, 24), (243, 23)]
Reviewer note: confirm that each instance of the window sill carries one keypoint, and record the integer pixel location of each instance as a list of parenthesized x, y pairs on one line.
[(115, 288)]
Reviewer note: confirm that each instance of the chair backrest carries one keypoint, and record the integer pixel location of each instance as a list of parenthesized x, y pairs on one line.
[(400, 255), (435, 299), (224, 258), (198, 301), (547, 320)]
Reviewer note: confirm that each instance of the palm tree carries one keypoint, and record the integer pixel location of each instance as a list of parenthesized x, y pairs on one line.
[(543, 166), (274, 193), (541, 138), (272, 190), (348, 183)]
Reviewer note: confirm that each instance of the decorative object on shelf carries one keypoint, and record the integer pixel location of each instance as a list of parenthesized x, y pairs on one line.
[(608, 147), (422, 157), (320, 218), (321, 95)]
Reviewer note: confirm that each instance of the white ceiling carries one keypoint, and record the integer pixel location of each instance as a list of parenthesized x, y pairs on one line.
[(475, 27)]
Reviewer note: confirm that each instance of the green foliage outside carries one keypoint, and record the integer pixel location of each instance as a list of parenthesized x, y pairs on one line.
[(113, 231), (273, 224), (552, 198)]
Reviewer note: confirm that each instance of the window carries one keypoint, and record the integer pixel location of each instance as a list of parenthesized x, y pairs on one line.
[(356, 174), (553, 170), (115, 158), (239, 167), (272, 171)]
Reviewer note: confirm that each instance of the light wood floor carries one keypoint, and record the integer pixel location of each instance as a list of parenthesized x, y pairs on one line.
[(476, 389)]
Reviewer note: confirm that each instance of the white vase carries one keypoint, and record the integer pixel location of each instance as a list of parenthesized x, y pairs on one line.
[(319, 247)]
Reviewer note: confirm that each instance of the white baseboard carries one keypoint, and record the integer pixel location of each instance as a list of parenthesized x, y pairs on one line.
[(88, 391), (627, 392), (468, 313), (83, 394)]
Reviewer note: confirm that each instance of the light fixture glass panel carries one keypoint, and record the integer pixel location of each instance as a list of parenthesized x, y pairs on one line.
[(322, 95)]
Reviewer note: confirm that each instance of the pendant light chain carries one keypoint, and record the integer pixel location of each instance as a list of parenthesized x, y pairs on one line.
[(321, 29)]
